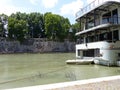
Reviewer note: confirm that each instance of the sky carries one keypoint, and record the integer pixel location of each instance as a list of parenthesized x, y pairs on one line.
[(65, 8)]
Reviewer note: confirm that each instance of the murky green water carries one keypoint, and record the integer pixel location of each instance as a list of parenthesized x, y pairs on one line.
[(20, 70)]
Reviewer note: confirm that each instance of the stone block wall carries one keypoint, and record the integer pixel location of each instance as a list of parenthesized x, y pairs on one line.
[(36, 45)]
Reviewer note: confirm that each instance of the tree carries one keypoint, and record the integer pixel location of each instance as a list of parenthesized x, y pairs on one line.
[(75, 28), (66, 26), (32, 25), (17, 29), (56, 27), (36, 25)]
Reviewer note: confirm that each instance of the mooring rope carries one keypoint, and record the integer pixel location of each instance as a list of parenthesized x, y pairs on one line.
[(37, 74)]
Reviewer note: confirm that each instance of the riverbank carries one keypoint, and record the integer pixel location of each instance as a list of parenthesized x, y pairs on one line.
[(35, 45), (104, 83)]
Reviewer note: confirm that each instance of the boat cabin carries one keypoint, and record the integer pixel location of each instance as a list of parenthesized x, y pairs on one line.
[(99, 33)]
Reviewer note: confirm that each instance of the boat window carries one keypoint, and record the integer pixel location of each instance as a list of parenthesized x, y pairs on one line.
[(106, 18), (109, 36), (78, 52), (80, 40), (115, 16), (101, 37), (91, 39), (96, 37), (88, 53), (91, 53), (115, 35), (97, 52), (90, 24), (105, 36), (118, 54)]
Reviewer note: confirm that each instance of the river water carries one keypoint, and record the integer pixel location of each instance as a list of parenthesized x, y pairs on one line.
[(20, 70)]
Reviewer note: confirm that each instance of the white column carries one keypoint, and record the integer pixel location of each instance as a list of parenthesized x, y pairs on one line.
[(76, 52), (81, 54)]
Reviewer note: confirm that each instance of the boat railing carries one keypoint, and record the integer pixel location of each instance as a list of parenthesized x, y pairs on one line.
[(91, 6), (105, 20), (111, 20)]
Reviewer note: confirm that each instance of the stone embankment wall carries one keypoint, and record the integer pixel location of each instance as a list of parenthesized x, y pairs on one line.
[(36, 45)]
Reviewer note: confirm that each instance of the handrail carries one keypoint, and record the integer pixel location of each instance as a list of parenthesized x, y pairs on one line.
[(106, 22), (111, 20), (91, 6), (115, 20)]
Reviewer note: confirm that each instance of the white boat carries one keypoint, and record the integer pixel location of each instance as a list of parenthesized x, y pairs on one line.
[(80, 62), (99, 33)]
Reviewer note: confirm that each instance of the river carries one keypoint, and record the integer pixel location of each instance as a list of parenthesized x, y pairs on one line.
[(20, 70)]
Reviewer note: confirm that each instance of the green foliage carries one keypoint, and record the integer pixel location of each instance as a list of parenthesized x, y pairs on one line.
[(56, 27), (37, 25), (17, 29), (1, 27), (75, 28), (22, 25)]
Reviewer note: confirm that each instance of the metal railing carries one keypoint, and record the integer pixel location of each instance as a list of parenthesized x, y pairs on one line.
[(105, 20), (91, 6), (111, 20)]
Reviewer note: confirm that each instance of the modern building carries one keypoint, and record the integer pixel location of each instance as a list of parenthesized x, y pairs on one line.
[(99, 33)]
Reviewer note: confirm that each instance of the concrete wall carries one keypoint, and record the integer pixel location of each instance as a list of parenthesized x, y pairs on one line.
[(36, 45)]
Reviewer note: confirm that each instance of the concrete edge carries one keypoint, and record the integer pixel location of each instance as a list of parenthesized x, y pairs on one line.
[(69, 84)]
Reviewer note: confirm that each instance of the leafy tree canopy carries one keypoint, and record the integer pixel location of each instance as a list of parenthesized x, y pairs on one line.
[(37, 25), (56, 26)]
